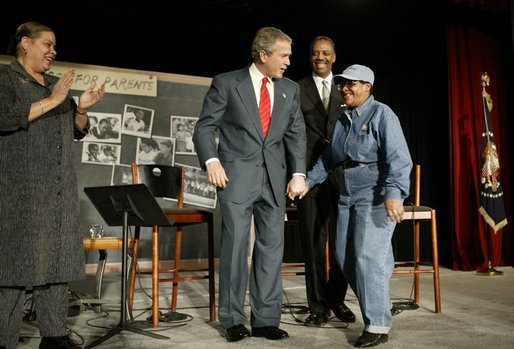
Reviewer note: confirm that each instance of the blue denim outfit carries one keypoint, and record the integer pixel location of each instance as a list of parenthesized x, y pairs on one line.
[(372, 138)]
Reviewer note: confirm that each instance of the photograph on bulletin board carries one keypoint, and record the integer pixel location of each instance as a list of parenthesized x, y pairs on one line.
[(121, 174), (137, 121), (182, 128), (166, 150), (104, 127), (100, 153)]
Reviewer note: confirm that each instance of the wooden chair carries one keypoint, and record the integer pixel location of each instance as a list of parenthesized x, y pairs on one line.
[(168, 181), (417, 213)]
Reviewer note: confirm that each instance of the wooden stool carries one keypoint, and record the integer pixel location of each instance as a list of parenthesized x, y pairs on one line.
[(416, 213)]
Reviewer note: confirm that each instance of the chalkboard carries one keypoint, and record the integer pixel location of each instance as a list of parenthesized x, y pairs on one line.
[(165, 97)]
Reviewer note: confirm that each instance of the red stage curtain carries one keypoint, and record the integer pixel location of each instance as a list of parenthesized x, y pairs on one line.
[(471, 52)]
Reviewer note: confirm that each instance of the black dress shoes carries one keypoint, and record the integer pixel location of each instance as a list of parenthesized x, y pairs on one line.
[(270, 332), (342, 312), (236, 333), (63, 342), (316, 320), (368, 339)]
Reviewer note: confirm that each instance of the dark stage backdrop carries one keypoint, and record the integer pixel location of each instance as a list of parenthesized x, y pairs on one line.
[(403, 41)]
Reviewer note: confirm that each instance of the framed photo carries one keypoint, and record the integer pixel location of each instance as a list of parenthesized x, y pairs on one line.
[(137, 121), (121, 174), (147, 150), (166, 151), (197, 188), (182, 128), (101, 153), (104, 127)]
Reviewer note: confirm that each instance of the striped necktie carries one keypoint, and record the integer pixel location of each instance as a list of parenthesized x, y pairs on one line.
[(265, 107), (325, 94)]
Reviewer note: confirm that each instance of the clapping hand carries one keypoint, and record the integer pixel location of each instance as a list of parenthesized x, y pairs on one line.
[(91, 96), (62, 87)]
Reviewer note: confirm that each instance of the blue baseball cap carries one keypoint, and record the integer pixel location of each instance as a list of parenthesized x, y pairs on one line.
[(355, 72)]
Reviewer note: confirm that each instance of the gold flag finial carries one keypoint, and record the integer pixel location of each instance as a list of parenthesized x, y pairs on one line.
[(485, 82), (485, 79)]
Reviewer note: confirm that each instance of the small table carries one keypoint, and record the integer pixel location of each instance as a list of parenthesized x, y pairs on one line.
[(102, 245)]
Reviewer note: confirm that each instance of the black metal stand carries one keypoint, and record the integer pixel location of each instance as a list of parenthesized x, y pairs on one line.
[(114, 203)]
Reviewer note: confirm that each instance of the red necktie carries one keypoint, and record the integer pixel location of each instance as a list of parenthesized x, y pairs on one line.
[(264, 107)]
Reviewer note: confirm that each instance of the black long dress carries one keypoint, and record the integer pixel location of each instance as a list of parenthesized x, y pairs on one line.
[(40, 241)]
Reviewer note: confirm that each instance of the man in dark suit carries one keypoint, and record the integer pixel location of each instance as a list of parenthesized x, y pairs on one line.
[(248, 167), (321, 107)]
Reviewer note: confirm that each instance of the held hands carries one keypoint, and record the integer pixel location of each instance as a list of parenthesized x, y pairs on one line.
[(394, 209), (296, 187), (216, 174)]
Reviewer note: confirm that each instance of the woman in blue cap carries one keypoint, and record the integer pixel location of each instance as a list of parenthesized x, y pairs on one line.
[(371, 162)]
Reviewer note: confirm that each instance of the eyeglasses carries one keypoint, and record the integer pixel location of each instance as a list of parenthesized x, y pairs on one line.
[(348, 83)]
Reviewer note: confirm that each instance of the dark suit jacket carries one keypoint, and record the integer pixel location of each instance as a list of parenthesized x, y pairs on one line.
[(319, 123), (231, 108)]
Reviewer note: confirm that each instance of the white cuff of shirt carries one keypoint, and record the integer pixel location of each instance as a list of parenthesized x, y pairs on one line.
[(216, 159), (211, 160)]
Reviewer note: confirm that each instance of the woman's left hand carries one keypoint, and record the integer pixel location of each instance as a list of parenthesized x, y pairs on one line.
[(394, 209), (90, 97)]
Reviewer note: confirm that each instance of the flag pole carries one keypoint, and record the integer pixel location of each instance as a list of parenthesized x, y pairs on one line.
[(490, 271), (487, 105)]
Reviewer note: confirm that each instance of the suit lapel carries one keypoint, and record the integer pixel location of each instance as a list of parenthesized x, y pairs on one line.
[(279, 98), (334, 110), (247, 94), (313, 94)]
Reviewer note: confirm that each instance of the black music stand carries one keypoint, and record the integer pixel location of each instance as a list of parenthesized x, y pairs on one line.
[(124, 205)]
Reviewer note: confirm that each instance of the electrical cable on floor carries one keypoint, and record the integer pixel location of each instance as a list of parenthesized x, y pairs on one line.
[(287, 308), (74, 334), (166, 321), (398, 307), (168, 317), (102, 315), (407, 304)]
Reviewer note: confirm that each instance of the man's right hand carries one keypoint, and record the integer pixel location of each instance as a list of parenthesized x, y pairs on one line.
[(216, 174)]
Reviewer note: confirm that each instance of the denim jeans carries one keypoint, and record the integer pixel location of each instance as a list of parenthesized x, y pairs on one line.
[(363, 244)]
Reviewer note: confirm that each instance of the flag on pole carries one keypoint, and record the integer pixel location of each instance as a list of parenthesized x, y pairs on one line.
[(491, 193)]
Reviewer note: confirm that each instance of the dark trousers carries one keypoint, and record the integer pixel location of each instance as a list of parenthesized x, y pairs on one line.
[(317, 220), (265, 278)]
